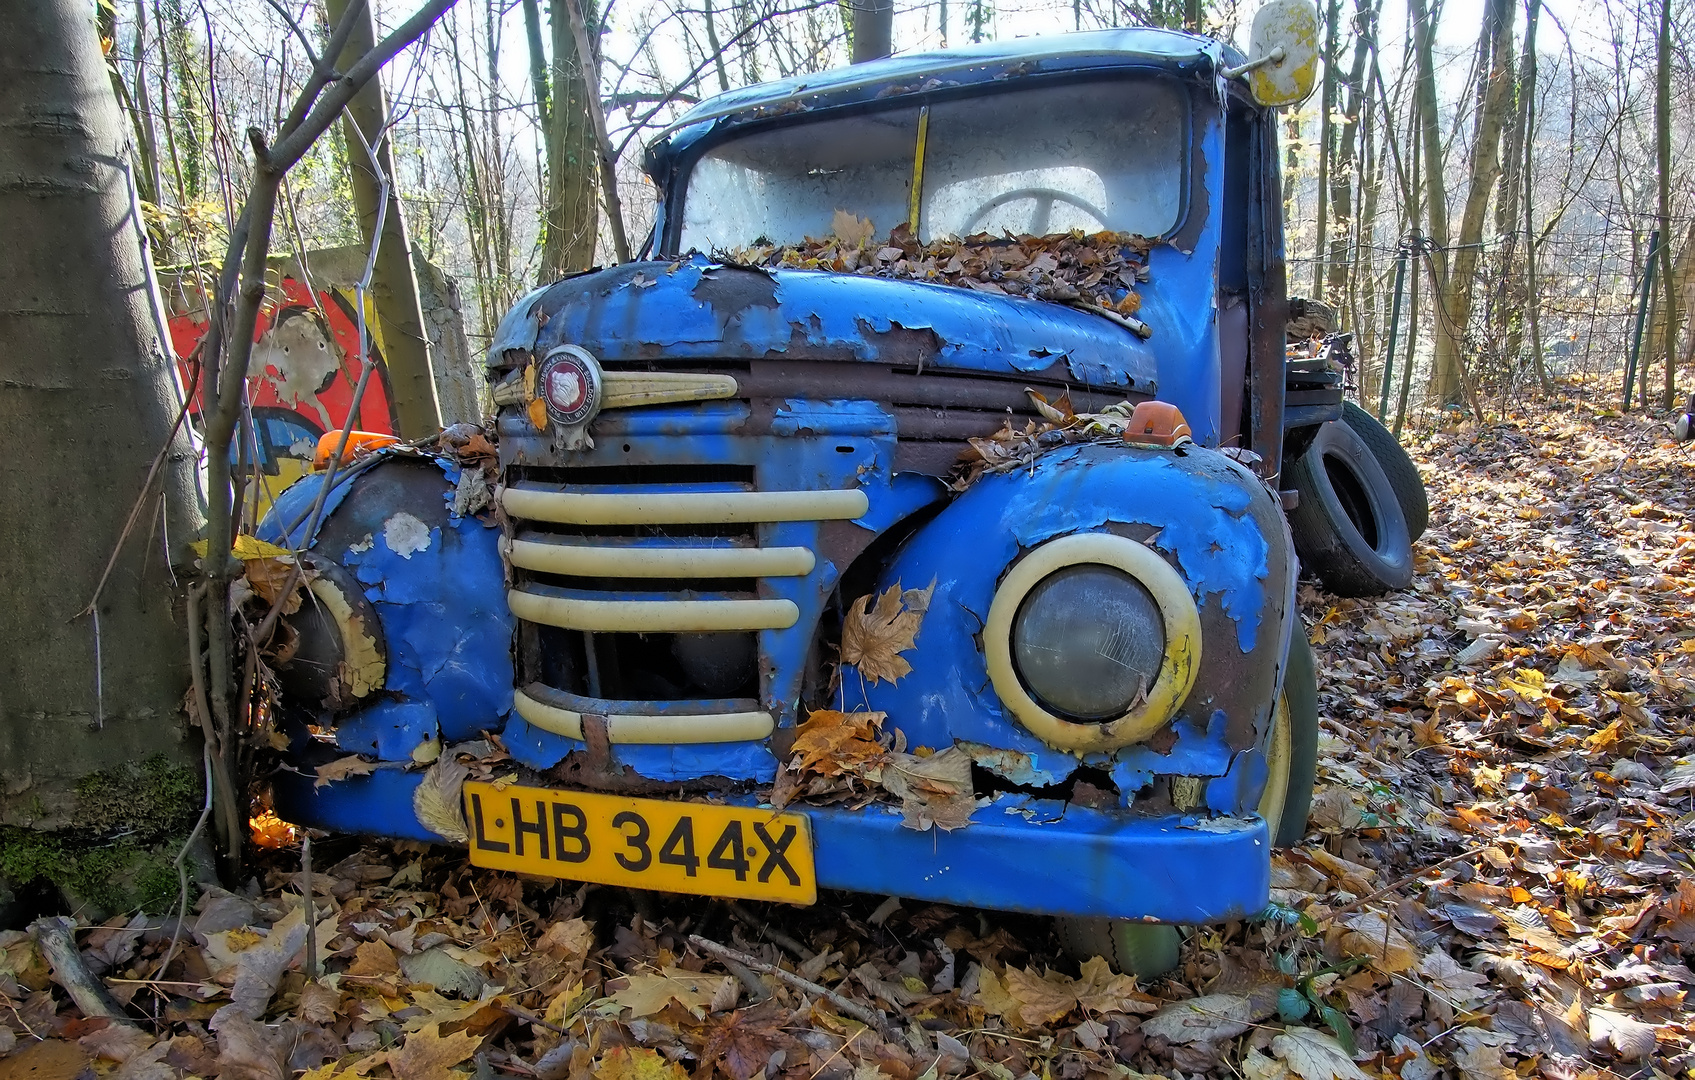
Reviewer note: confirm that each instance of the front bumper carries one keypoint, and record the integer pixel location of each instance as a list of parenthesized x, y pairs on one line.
[(1019, 854)]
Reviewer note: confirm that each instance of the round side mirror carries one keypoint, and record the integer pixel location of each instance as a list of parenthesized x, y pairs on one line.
[(1282, 66)]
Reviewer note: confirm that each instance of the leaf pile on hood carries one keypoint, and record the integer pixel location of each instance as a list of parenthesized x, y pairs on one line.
[(1102, 269)]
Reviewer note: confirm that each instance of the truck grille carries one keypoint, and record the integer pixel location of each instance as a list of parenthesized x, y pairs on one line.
[(642, 590)]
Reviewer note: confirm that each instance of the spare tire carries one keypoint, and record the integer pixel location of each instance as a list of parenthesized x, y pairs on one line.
[(1403, 476), (1347, 524)]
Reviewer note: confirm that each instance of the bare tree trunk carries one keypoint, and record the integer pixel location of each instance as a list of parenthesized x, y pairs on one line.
[(1662, 143), (1532, 297), (571, 214), (1326, 106), (1509, 309), (1456, 277), (1669, 294), (718, 49), (394, 291), (84, 374), (873, 29), (1342, 177)]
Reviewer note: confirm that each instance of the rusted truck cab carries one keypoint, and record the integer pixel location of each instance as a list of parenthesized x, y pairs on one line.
[(714, 459)]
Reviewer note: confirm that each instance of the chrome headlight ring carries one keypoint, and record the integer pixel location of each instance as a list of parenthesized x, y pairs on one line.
[(1173, 680)]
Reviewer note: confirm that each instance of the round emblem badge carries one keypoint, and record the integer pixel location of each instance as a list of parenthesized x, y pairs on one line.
[(569, 382)]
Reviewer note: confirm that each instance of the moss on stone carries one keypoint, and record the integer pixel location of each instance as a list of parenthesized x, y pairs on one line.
[(128, 825), (146, 801), (105, 876)]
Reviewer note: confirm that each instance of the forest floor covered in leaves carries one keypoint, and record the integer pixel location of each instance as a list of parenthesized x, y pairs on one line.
[(1497, 882)]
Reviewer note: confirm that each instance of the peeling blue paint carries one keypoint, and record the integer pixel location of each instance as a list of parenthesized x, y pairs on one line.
[(765, 313), (443, 614), (1199, 506), (835, 417)]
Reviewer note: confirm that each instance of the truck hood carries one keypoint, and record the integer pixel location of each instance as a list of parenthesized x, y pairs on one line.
[(697, 309)]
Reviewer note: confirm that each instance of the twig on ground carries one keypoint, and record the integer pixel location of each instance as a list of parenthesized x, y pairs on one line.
[(769, 932), (194, 834), (1405, 880), (311, 905), (53, 937), (863, 1014), (532, 1019)]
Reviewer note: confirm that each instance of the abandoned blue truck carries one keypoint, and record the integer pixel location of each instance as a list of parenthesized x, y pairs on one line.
[(708, 469)]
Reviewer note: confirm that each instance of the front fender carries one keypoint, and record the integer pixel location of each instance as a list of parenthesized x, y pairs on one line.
[(1208, 517)]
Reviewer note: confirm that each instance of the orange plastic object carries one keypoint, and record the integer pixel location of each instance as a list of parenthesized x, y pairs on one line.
[(356, 441), (1156, 423)]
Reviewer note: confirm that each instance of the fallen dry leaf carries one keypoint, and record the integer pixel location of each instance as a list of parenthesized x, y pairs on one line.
[(637, 1063), (51, 1059), (374, 958), (1208, 1019), (934, 791), (832, 743), (342, 768), (1315, 1055), (428, 1055), (873, 637), (567, 939), (644, 995), (436, 801)]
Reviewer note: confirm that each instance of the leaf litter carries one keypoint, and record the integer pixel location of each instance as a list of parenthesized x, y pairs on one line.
[(1496, 883)]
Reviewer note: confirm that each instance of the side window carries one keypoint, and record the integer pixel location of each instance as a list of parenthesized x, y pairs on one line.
[(1238, 165), (1233, 274)]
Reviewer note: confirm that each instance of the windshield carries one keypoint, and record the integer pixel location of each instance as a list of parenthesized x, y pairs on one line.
[(1090, 156)]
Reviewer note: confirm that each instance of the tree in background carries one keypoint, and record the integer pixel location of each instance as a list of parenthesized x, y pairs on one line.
[(571, 216)]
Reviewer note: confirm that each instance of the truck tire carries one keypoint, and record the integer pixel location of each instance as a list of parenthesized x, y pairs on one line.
[(1397, 466), (1348, 526), (1293, 753), (1145, 950), (1149, 950)]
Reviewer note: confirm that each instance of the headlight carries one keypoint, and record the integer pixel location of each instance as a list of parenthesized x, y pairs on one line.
[(1092, 642), (1088, 642)]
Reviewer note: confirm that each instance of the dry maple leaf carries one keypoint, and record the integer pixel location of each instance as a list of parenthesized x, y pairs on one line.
[(873, 637), (342, 768), (645, 994), (247, 1049), (116, 1041), (1030, 1000), (637, 1063), (934, 790), (319, 1004), (374, 958), (831, 743), (1100, 990), (428, 1055), (567, 939), (742, 1042)]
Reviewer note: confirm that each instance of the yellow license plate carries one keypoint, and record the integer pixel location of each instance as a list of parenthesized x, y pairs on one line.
[(683, 847)]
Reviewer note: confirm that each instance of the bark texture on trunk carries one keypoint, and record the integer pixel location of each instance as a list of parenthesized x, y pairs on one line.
[(84, 381), (1662, 153), (572, 214), (1456, 271), (394, 289)]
